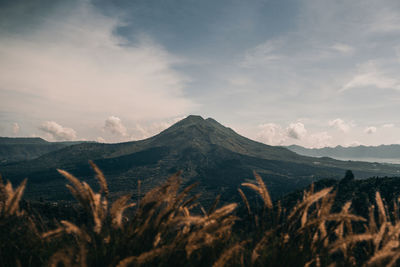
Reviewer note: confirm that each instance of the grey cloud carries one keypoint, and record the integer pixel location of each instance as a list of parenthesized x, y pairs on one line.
[(370, 130), (296, 130)]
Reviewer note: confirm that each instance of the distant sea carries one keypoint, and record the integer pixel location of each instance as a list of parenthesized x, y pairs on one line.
[(378, 160)]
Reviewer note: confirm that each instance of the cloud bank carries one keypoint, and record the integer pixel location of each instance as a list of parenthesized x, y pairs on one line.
[(74, 64)]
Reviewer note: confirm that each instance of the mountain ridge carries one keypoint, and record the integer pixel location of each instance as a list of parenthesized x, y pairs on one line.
[(204, 149), (15, 149), (368, 153)]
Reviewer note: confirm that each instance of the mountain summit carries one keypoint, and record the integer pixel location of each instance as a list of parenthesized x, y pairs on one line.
[(206, 151), (206, 133)]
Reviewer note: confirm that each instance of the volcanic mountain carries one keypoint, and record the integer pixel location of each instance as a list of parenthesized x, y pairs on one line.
[(206, 151)]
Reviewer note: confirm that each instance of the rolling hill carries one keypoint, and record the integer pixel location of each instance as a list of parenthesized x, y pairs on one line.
[(206, 151), (26, 148)]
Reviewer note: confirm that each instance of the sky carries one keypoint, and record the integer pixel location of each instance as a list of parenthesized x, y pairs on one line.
[(309, 72)]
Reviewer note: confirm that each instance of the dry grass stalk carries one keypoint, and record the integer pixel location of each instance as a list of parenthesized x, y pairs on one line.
[(261, 244), (228, 254), (336, 217), (352, 239), (395, 211), (261, 189), (71, 228), (379, 236), (372, 228), (264, 191), (246, 202), (144, 257), (381, 207), (118, 208), (163, 210), (100, 177), (63, 256), (214, 205), (308, 201), (393, 261), (10, 198), (90, 201)]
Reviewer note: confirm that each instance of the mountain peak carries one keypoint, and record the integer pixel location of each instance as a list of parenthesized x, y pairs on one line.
[(193, 119), (188, 121)]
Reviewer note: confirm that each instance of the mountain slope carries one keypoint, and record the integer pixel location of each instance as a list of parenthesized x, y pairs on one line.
[(205, 150), (20, 149)]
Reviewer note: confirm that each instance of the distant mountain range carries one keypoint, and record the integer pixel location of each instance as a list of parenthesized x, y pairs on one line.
[(382, 153), (206, 151), (20, 149)]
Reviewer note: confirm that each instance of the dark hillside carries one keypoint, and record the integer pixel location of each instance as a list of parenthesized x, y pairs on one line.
[(22, 149)]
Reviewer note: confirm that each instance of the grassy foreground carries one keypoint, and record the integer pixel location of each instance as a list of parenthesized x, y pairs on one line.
[(168, 227)]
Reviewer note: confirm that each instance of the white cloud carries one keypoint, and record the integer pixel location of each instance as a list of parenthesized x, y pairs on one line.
[(15, 128), (340, 125), (370, 130), (354, 144), (114, 126), (271, 134), (296, 130), (370, 75), (388, 125), (320, 139), (75, 57), (58, 132)]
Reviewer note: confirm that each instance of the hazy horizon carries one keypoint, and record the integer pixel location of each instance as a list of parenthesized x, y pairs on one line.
[(311, 73)]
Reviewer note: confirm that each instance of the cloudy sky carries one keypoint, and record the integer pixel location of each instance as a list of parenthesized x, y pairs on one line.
[(309, 72)]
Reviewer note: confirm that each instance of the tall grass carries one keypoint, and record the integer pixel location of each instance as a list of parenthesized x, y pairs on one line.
[(168, 227)]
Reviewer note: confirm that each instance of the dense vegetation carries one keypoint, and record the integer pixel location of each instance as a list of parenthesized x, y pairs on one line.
[(169, 227)]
